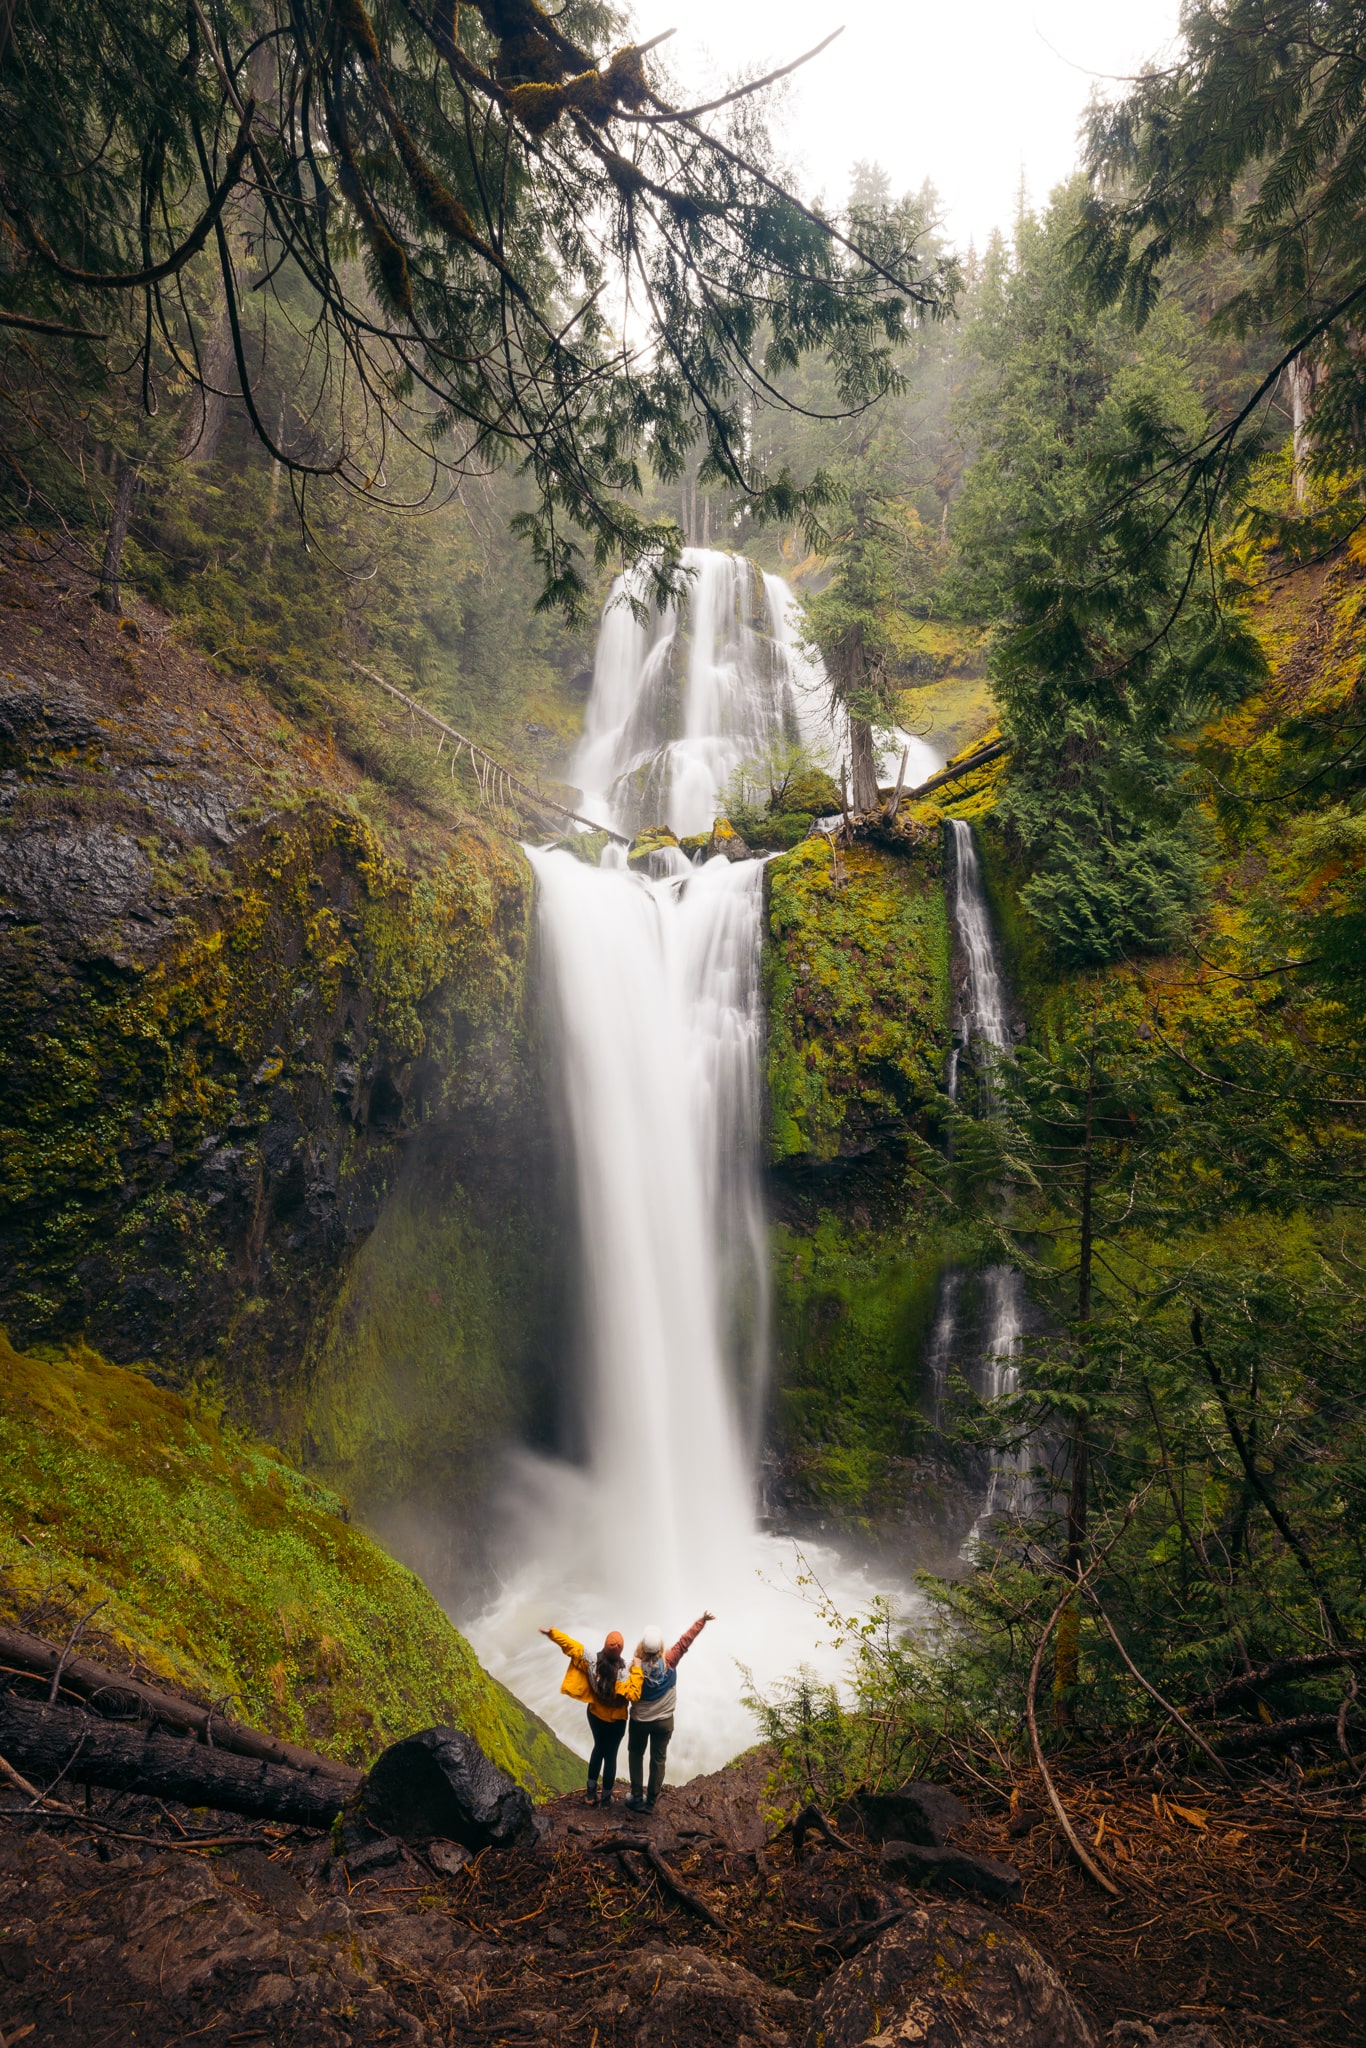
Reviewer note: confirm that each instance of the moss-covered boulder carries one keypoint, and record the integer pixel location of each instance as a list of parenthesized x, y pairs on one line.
[(856, 981), (217, 1565), (588, 847), (650, 842)]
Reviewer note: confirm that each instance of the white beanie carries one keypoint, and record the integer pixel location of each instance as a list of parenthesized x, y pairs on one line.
[(652, 1642)]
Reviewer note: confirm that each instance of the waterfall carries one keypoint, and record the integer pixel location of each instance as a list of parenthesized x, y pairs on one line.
[(657, 990), (689, 692), (984, 1018), (653, 1003)]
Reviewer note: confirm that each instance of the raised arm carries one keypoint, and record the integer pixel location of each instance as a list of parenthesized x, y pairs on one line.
[(628, 1688), (566, 1643), (687, 1639)]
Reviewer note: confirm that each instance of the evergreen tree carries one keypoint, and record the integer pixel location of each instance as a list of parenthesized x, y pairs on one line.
[(500, 236), (1070, 537)]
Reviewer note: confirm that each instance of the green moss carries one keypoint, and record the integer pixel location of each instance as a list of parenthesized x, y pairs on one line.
[(853, 1308), (430, 1353), (588, 847), (856, 978), (224, 1569), (119, 1073), (652, 841)]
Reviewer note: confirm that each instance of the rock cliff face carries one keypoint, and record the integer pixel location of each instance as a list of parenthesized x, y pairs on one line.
[(857, 983), (244, 997)]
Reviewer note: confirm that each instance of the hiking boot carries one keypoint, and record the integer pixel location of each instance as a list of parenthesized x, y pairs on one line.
[(606, 1799), (590, 1797), (635, 1804), (647, 1806)]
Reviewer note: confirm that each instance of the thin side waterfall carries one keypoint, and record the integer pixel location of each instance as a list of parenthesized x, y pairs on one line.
[(984, 1018), (653, 1001)]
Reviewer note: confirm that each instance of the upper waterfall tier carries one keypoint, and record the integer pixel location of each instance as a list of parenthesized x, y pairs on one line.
[(681, 700)]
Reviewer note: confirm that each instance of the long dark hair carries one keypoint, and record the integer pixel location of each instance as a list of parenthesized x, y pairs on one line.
[(606, 1671)]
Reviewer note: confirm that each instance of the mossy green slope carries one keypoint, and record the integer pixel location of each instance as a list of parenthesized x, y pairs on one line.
[(856, 982), (223, 1569)]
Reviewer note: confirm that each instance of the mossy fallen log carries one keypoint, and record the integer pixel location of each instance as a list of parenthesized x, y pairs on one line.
[(110, 1688)]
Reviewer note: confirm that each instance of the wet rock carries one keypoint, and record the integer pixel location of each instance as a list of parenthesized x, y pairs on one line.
[(371, 1856), (911, 1863), (1168, 2030), (688, 1995), (916, 1812), (37, 715), (82, 881), (947, 1976), (439, 1783), (449, 1858)]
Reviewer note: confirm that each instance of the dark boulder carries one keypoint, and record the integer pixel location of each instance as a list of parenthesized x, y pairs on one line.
[(914, 1864), (439, 1783), (916, 1812), (947, 1976)]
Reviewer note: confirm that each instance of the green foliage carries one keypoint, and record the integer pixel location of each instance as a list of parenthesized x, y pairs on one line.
[(189, 200), (1254, 136), (1073, 533), (856, 985), (221, 1568)]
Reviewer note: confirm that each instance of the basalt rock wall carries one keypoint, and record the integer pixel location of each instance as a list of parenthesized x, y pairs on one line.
[(260, 1017)]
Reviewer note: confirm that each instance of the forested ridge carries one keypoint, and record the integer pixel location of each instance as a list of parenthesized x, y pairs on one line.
[(346, 345)]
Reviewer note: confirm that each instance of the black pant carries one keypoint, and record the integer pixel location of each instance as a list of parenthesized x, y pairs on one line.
[(606, 1742), (656, 1734)]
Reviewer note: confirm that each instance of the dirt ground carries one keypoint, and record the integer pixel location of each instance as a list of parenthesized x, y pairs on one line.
[(125, 1921)]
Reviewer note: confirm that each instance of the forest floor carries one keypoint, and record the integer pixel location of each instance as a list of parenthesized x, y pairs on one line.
[(1242, 1908)]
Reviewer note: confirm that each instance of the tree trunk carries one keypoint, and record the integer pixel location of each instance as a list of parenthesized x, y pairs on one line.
[(1302, 380), (118, 533), (48, 1743), (1067, 1657), (864, 764)]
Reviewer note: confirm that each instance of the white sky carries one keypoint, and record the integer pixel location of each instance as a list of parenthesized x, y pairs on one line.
[(966, 92)]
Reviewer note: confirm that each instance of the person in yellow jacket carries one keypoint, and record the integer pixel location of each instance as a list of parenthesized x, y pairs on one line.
[(609, 1689)]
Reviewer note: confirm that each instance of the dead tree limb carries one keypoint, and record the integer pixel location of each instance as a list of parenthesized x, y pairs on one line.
[(1270, 1674), (46, 1743), (801, 1825), (639, 1845), (1088, 1863), (79, 1674), (1283, 1734)]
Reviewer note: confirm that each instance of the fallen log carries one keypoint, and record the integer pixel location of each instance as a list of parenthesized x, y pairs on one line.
[(1277, 1734), (102, 1686), (58, 1744), (1271, 1674), (954, 772)]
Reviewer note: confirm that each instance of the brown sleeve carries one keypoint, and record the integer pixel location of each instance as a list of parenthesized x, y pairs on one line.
[(685, 1642)]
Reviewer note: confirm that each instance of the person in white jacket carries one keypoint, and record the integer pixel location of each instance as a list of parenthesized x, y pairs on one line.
[(652, 1714)]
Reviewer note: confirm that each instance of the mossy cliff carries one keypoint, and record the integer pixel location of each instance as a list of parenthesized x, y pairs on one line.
[(856, 978), (856, 982), (246, 997), (202, 1557)]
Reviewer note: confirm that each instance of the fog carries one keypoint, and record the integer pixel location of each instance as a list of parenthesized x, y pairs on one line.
[(971, 96)]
